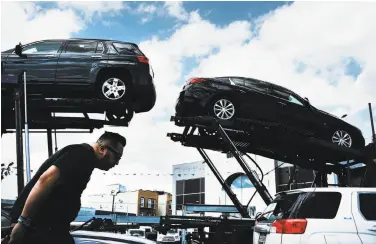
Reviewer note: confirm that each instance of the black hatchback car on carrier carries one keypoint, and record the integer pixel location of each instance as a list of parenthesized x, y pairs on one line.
[(82, 68), (227, 98)]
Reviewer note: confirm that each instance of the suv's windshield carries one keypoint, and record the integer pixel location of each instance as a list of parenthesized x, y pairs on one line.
[(279, 207)]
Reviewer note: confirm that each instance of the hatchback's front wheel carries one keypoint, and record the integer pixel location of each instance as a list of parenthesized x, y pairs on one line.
[(342, 138)]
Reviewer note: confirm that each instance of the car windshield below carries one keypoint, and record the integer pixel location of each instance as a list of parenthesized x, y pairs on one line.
[(172, 231), (136, 233)]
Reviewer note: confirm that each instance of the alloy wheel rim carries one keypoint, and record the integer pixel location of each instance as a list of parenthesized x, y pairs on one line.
[(342, 138), (113, 88), (224, 109)]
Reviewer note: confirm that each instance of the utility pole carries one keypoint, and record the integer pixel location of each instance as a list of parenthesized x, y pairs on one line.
[(372, 125), (19, 144)]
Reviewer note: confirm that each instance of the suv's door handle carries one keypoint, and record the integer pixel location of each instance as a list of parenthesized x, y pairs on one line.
[(96, 56), (283, 104)]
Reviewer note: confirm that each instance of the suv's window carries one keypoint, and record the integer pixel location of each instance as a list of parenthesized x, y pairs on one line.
[(125, 48), (42, 47), (81, 47), (315, 205), (367, 203), (100, 48), (285, 95)]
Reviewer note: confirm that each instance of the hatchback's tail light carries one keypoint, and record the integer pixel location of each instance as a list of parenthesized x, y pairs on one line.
[(290, 226), (195, 80), (143, 59)]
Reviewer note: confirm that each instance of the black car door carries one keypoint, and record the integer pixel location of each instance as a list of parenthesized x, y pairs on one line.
[(296, 112), (256, 102), (78, 62), (39, 61)]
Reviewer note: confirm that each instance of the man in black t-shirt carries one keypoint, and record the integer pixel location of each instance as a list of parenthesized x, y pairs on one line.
[(52, 199)]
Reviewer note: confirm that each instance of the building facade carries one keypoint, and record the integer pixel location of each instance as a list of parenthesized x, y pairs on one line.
[(188, 184), (164, 204), (195, 183), (136, 203)]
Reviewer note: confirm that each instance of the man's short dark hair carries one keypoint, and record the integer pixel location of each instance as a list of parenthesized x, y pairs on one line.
[(113, 137)]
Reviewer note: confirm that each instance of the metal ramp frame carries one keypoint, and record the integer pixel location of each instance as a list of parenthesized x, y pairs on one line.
[(224, 144)]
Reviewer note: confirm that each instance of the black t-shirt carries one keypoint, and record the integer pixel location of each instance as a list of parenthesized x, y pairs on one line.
[(76, 164)]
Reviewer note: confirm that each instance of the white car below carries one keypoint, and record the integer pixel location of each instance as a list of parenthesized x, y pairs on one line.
[(319, 216), (172, 236)]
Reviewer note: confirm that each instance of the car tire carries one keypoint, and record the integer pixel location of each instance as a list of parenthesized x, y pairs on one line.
[(114, 88), (213, 109), (222, 108), (117, 116), (342, 138)]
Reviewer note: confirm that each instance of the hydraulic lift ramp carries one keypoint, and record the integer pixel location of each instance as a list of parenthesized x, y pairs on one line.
[(227, 145)]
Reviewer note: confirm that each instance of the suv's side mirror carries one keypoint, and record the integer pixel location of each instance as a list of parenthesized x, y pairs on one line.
[(18, 51)]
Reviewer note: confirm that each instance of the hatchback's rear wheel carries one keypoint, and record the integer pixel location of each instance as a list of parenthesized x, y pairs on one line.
[(342, 138), (222, 109)]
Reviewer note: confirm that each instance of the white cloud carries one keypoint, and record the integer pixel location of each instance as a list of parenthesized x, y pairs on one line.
[(176, 9), (146, 8), (30, 23), (90, 9)]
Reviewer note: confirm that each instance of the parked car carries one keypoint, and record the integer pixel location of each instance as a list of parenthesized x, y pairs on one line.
[(172, 236), (319, 215), (82, 68), (227, 98)]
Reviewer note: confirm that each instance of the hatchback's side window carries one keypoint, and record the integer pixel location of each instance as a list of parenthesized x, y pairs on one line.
[(285, 96), (367, 205), (81, 47), (256, 85), (236, 81), (49, 47)]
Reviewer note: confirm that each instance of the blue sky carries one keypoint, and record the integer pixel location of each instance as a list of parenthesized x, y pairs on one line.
[(129, 27)]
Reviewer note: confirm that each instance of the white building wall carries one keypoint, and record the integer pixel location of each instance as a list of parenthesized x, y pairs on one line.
[(162, 201), (127, 202), (226, 166)]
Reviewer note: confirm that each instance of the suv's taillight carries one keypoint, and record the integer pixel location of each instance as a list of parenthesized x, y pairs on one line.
[(290, 226), (143, 59), (195, 80)]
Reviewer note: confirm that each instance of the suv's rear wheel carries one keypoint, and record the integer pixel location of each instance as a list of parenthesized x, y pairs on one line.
[(113, 88)]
